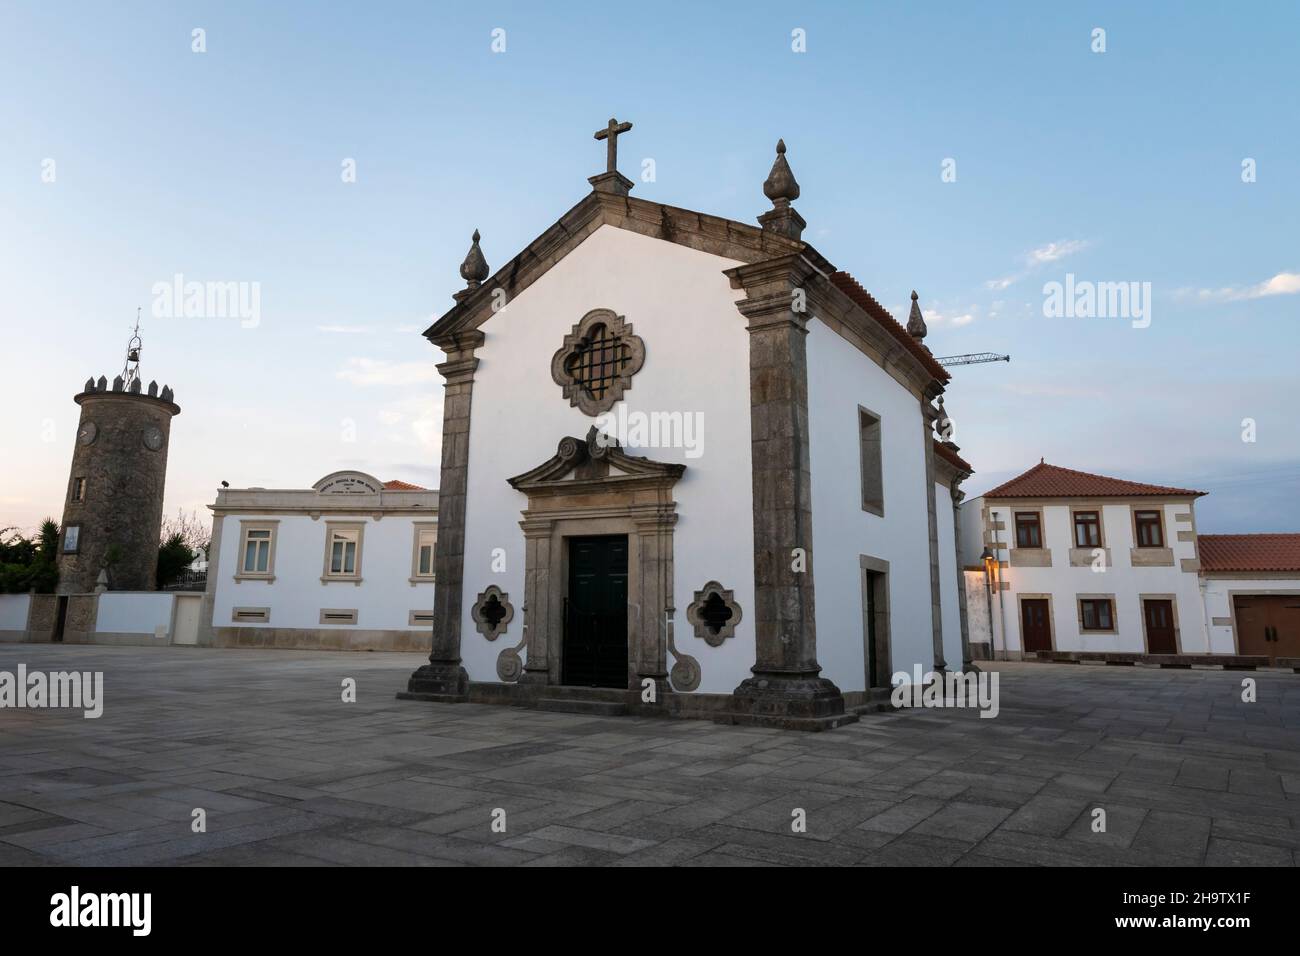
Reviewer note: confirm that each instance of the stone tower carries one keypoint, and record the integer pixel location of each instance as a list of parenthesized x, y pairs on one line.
[(112, 517)]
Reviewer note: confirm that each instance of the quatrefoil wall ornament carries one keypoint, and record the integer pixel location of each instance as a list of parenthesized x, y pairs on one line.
[(492, 612), (714, 614), (596, 364)]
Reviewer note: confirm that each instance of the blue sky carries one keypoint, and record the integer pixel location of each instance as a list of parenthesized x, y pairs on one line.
[(225, 166)]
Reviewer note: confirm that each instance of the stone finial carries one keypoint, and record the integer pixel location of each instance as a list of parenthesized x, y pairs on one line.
[(166, 394), (915, 322), (90, 384), (102, 384), (475, 268), (781, 188), (153, 389), (780, 184), (118, 384)]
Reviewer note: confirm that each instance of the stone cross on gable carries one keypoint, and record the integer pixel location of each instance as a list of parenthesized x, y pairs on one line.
[(610, 134)]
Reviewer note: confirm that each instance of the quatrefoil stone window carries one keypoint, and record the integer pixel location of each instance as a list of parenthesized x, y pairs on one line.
[(596, 364), (714, 614), (492, 611)]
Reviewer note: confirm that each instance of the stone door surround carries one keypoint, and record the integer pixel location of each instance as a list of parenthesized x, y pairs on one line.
[(592, 487)]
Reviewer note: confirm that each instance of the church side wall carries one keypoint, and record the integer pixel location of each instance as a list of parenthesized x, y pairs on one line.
[(840, 380), (697, 363)]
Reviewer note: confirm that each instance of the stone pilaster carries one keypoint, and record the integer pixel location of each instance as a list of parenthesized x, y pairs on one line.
[(928, 416), (786, 689), (537, 598), (967, 664), (443, 678)]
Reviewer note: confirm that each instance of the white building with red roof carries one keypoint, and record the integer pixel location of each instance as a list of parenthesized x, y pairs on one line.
[(1061, 561), (347, 564)]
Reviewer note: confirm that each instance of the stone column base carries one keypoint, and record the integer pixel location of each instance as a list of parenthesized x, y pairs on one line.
[(791, 703), (445, 683)]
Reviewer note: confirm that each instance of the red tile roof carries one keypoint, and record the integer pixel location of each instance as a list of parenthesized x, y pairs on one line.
[(402, 486), (1249, 552), (1052, 481), (953, 458), (854, 290)]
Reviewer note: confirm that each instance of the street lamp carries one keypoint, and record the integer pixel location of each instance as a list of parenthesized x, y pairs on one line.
[(987, 559)]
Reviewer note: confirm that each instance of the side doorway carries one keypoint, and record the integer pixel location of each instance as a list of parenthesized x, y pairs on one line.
[(1035, 624), (875, 622)]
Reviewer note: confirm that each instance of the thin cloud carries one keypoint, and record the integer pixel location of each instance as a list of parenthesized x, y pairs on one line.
[(368, 371), (1284, 283), (1043, 255), (342, 329)]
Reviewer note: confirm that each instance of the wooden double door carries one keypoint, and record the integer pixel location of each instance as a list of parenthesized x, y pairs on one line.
[(595, 613), (1268, 624)]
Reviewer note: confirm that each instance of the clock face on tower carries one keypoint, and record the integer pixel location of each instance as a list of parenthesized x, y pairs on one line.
[(87, 433), (153, 438)]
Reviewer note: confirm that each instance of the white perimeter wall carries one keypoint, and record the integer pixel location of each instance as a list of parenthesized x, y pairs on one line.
[(383, 599), (127, 612), (13, 611), (1121, 579), (840, 378), (697, 360), (1218, 593)]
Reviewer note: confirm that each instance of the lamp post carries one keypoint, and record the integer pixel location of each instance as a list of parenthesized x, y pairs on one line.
[(987, 559)]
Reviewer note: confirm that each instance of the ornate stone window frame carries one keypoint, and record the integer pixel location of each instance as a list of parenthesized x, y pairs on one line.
[(419, 530), (574, 391), (245, 526), (331, 528), (702, 629), (486, 627)]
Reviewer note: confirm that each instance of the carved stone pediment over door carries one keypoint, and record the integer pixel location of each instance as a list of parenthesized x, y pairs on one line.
[(592, 487)]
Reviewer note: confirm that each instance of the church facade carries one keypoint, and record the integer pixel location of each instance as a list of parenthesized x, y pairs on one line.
[(688, 466)]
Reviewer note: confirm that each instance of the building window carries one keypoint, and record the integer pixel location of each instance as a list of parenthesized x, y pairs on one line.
[(71, 539), (1096, 614), (343, 542), (1150, 532), (1029, 530), (714, 614), (1087, 529), (873, 476), (78, 489), (595, 365), (424, 548), (492, 612), (256, 551)]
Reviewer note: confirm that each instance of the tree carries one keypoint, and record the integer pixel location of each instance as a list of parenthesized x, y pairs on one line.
[(192, 529), (29, 564), (173, 558)]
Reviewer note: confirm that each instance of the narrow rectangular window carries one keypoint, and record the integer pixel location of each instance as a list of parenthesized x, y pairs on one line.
[(1029, 531), (1087, 529), (427, 542), (1095, 614), (78, 489), (1150, 534), (257, 551), (873, 479), (343, 552)]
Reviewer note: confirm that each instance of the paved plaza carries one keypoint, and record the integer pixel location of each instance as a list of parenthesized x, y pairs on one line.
[(289, 774)]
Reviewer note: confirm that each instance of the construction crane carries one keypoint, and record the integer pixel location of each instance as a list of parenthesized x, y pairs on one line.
[(974, 358)]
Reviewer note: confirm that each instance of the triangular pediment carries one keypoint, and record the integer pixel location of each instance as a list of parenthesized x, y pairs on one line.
[(595, 461), (712, 234)]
